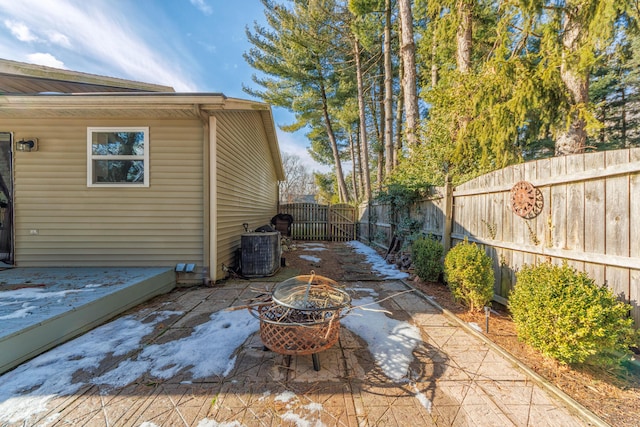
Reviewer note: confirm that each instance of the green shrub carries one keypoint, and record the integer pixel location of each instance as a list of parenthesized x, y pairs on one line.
[(566, 316), (469, 274), (427, 258)]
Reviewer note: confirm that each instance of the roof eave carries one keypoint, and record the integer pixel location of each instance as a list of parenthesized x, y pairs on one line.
[(193, 104)]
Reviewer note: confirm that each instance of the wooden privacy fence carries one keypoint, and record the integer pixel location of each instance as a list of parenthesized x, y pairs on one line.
[(589, 217), (312, 221)]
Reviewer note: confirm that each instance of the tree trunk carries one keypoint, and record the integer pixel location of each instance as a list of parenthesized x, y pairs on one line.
[(342, 186), (574, 139), (354, 175), (398, 144), (464, 42), (364, 144), (464, 36), (408, 53), (388, 92), (434, 60), (360, 173), (380, 128), (399, 108)]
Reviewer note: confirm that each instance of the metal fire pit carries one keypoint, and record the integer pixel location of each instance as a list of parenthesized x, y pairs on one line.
[(303, 317)]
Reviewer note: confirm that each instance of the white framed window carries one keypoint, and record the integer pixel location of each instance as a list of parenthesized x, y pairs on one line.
[(118, 157)]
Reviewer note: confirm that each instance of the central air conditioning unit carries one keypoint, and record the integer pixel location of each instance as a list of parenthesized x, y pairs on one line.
[(260, 254)]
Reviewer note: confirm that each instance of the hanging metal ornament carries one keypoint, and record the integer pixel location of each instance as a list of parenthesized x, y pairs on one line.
[(526, 200)]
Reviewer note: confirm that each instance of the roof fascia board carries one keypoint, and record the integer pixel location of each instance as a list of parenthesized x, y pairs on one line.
[(112, 101), (119, 100)]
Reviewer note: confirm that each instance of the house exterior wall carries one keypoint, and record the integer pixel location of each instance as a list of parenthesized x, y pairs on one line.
[(81, 226), (247, 183)]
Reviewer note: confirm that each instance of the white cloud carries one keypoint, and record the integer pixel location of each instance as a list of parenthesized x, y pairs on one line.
[(20, 31), (45, 59), (97, 37), (202, 6), (59, 39)]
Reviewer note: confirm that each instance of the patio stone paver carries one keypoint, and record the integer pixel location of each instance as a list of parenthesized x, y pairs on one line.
[(455, 379)]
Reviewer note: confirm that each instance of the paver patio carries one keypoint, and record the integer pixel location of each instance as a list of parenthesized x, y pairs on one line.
[(455, 378)]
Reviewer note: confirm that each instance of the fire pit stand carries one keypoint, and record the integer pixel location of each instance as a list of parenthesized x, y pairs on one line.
[(303, 316)]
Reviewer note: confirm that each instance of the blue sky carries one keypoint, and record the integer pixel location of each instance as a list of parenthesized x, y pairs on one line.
[(191, 45)]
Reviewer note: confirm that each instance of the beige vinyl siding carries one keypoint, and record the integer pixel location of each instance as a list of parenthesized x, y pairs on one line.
[(81, 226), (247, 189)]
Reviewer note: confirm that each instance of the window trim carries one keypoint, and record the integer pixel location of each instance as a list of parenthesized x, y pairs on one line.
[(91, 157)]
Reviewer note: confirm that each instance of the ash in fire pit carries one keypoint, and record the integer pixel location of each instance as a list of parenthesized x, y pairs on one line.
[(311, 293)]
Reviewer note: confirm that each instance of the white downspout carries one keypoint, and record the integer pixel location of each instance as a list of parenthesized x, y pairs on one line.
[(211, 238)]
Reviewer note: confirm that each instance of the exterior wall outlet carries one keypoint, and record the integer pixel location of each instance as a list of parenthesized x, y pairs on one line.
[(33, 232)]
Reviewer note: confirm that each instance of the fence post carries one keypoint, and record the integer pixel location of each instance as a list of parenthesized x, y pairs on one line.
[(369, 226), (448, 215)]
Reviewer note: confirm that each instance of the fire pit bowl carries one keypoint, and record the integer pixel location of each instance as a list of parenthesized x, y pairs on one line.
[(303, 316), (280, 333)]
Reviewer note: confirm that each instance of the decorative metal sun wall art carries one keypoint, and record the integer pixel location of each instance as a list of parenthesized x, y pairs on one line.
[(526, 200)]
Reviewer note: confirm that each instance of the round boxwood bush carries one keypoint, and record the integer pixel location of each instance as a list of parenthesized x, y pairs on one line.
[(565, 315), (469, 275), (427, 258)]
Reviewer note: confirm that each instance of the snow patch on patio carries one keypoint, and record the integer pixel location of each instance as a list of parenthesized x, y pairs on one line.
[(301, 421), (227, 329), (390, 341), (378, 264), (285, 397), (424, 400), (28, 389), (308, 410)]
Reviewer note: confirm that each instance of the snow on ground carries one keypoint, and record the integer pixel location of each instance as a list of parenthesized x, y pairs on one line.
[(311, 258), (390, 341), (378, 264), (308, 410), (312, 246), (27, 389), (18, 303), (424, 400)]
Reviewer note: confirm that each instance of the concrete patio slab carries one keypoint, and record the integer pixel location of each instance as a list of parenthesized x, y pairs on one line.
[(454, 378)]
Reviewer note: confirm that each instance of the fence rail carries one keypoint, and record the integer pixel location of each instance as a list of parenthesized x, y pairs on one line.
[(590, 219)]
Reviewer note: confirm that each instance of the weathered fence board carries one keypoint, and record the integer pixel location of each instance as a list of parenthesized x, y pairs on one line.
[(634, 232), (590, 219)]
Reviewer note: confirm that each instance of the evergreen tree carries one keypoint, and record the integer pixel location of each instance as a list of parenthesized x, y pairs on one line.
[(298, 55)]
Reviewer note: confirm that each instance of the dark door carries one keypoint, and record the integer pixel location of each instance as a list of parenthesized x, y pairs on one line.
[(6, 199)]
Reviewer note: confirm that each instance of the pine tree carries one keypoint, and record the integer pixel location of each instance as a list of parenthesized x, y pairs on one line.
[(297, 56)]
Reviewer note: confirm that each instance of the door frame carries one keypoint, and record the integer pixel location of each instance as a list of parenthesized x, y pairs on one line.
[(7, 215)]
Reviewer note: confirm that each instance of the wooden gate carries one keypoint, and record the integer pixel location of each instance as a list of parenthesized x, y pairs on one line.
[(311, 221)]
